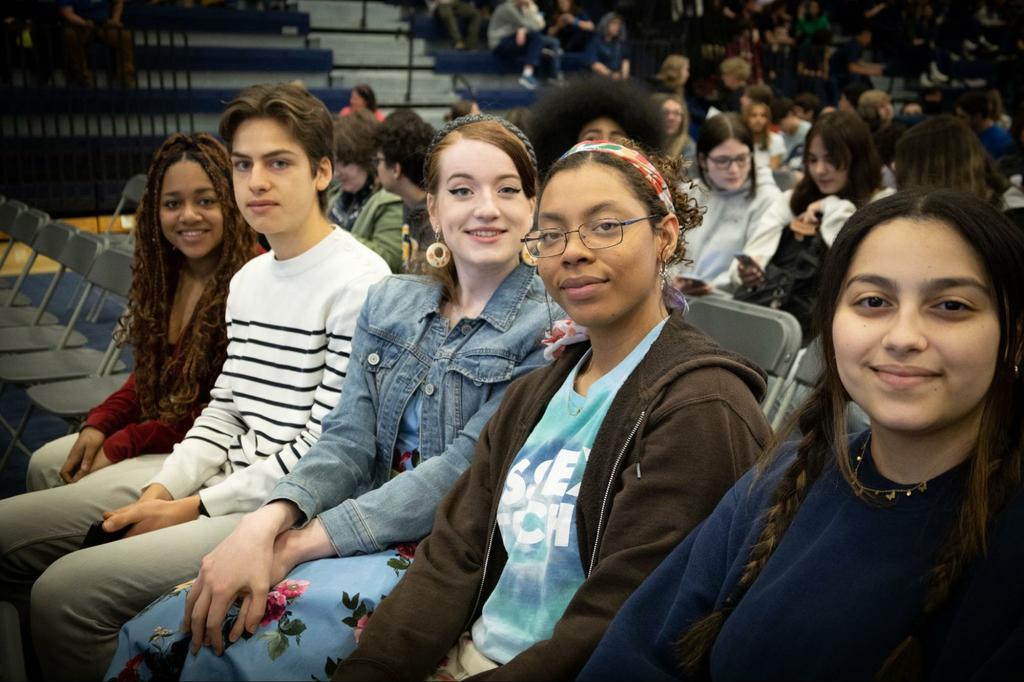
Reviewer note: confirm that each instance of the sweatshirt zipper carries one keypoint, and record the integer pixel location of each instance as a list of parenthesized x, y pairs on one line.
[(483, 577), (608, 491)]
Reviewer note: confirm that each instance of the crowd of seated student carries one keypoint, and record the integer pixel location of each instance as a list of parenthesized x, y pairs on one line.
[(623, 225)]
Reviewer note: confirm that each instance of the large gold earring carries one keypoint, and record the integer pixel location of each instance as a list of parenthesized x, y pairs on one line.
[(527, 257), (438, 254)]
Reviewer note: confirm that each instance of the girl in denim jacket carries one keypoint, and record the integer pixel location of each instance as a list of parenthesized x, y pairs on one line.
[(431, 359)]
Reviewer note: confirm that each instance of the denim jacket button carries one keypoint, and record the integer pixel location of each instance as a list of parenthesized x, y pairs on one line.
[(467, 328), (429, 389), (373, 359)]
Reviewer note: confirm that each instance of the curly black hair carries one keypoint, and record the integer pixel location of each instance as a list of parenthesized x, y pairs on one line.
[(557, 119), (403, 138)]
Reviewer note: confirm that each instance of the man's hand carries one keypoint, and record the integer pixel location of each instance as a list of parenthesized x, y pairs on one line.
[(152, 512), (81, 457), (520, 37), (242, 565)]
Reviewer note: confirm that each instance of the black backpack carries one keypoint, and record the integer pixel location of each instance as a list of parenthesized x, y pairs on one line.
[(791, 278)]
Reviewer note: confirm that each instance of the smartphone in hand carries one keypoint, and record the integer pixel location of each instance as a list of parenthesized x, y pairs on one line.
[(98, 536), (746, 261)]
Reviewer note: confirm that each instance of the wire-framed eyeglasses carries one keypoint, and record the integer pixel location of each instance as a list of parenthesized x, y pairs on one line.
[(595, 234), (723, 162)]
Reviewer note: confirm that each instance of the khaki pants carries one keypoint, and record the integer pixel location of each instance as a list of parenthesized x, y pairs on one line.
[(78, 599), (462, 661)]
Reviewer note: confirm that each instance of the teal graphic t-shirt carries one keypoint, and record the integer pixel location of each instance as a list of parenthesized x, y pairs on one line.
[(536, 515)]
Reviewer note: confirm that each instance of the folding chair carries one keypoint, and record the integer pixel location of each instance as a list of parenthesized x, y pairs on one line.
[(132, 193), (804, 374), (111, 271), (49, 242), (78, 255), (769, 338), (23, 229), (9, 210)]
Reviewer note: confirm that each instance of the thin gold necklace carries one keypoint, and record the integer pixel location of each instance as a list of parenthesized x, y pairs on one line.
[(888, 494)]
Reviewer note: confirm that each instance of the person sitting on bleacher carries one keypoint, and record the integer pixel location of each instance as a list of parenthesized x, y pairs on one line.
[(944, 152), (594, 108), (372, 214), (571, 25), (974, 108), (608, 53), (735, 192), (291, 315), (516, 33), (92, 21), (782, 260), (399, 145), (190, 240), (449, 12)]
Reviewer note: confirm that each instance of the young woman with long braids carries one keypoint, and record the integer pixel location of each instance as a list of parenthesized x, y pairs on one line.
[(190, 241), (894, 553), (580, 484)]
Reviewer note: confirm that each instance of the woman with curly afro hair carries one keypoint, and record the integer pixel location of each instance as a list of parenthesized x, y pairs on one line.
[(593, 108), (190, 239)]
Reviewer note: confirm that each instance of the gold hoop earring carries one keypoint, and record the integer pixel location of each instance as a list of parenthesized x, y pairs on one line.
[(438, 254), (527, 257)]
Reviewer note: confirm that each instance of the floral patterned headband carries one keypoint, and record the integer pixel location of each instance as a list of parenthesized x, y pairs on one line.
[(633, 158)]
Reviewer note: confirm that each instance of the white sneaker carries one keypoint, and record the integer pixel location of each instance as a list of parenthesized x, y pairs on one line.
[(925, 81), (936, 75)]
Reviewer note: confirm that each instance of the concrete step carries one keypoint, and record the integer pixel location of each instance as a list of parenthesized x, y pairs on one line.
[(341, 14), (390, 84), (242, 40), (230, 79), (353, 49)]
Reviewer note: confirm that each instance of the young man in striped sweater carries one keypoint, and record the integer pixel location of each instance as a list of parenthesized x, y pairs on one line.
[(291, 314)]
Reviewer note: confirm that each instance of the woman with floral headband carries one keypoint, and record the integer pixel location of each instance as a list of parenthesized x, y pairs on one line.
[(592, 468), (431, 358)]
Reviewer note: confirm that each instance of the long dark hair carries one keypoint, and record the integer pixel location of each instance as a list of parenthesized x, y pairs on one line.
[(995, 464), (944, 152), (717, 130), (171, 387), (847, 140)]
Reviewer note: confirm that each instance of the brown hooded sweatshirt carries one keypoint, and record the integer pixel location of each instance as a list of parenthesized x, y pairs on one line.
[(682, 428)]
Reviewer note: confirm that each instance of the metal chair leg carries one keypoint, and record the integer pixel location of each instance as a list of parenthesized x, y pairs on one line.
[(16, 438)]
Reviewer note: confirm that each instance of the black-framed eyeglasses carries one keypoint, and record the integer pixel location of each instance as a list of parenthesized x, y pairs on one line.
[(377, 159), (595, 234)]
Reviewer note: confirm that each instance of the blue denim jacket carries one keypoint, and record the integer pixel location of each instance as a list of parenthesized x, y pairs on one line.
[(403, 342)]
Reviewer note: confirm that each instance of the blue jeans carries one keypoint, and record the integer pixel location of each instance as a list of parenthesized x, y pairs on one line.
[(530, 52)]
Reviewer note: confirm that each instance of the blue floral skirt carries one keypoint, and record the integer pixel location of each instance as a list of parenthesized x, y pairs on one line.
[(312, 622)]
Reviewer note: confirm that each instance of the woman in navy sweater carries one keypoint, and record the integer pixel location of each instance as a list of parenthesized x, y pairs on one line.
[(894, 553)]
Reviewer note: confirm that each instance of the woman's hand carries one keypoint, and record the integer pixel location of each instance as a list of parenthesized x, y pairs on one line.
[(750, 273), (82, 456), (241, 566), (691, 287), (297, 546)]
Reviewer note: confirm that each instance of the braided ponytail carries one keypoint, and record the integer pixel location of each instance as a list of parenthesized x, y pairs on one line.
[(815, 420)]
